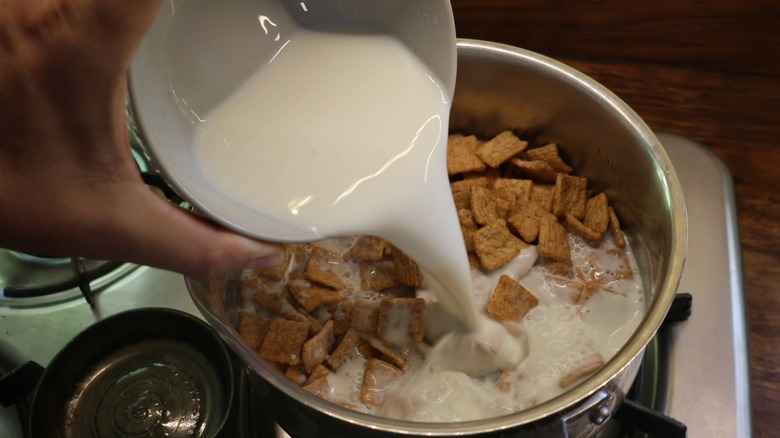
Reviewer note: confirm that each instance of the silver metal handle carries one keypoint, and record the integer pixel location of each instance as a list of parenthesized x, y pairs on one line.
[(587, 418)]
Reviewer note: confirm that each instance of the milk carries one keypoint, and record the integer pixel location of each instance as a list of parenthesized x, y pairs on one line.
[(345, 134)]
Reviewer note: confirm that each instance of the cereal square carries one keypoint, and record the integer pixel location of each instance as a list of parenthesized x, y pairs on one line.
[(319, 371), (316, 349), (495, 245), (483, 205), (467, 227), (310, 297), (401, 320), (549, 154), (284, 341), (318, 387), (541, 197), (252, 329), (461, 155), (377, 275), (406, 270), (526, 224), (377, 377), (614, 229), (577, 228), (553, 239), (248, 288), (501, 148), (570, 196), (597, 214), (367, 248), (351, 346), (505, 201), (538, 171), (510, 301), (323, 267), (387, 351), (365, 316), (521, 189), (296, 374)]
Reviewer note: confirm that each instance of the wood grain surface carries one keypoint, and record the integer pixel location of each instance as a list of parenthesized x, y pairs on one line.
[(706, 70)]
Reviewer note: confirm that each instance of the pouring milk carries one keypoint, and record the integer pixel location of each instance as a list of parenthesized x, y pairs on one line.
[(346, 134)]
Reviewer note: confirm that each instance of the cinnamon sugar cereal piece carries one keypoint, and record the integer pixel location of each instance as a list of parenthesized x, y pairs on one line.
[(310, 297), (462, 199), (252, 329), (377, 377), (367, 248), (318, 387), (541, 197), (577, 228), (365, 316), (351, 346), (319, 371), (521, 189), (553, 239), (591, 365), (377, 275), (316, 349), (537, 170), (276, 303), (468, 183), (597, 214), (384, 349), (505, 201), (467, 226), (526, 224), (406, 270), (474, 261), (249, 287), (340, 313), (277, 272), (296, 374), (549, 154), (490, 176), (483, 205), (570, 196), (507, 379), (614, 229), (284, 341), (558, 268), (401, 320), (510, 301), (495, 245), (461, 155), (320, 268), (500, 148)]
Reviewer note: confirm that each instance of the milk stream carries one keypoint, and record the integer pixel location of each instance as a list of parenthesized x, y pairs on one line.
[(345, 134)]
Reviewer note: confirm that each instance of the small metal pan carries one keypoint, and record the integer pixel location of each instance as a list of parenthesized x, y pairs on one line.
[(148, 372)]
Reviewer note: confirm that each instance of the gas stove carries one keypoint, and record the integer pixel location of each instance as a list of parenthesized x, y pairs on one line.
[(698, 369)]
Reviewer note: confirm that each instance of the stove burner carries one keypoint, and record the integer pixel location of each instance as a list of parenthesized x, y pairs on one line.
[(31, 280)]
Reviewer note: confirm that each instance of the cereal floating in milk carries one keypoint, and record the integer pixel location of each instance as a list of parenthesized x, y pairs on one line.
[(352, 321)]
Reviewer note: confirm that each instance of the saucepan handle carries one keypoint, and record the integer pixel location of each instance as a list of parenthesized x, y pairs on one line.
[(19, 383)]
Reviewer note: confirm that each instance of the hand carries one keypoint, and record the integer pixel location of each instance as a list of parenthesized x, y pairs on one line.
[(68, 181)]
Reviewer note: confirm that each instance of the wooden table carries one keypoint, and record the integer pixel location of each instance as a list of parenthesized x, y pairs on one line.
[(706, 70)]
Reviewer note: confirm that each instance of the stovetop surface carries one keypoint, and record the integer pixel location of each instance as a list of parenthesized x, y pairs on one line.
[(707, 385)]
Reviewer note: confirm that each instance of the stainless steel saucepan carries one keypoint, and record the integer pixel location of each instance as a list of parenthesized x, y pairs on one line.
[(500, 87)]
